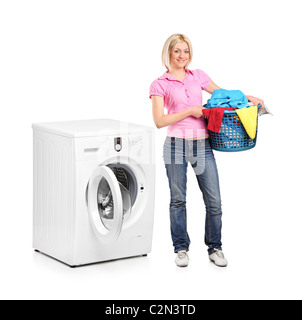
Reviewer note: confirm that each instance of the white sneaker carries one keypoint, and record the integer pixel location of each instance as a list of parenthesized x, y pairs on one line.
[(182, 258), (218, 258)]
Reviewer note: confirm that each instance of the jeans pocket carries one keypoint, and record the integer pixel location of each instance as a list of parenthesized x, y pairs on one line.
[(169, 141)]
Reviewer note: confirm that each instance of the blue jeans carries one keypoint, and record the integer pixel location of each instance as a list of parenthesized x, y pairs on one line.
[(177, 153)]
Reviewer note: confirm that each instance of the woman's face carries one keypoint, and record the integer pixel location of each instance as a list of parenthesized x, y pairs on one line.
[(180, 55)]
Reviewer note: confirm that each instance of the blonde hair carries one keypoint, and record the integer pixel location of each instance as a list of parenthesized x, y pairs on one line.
[(170, 45)]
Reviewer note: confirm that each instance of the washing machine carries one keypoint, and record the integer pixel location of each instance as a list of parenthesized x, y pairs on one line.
[(93, 190)]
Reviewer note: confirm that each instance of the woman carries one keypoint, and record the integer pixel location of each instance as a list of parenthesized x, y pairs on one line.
[(179, 90)]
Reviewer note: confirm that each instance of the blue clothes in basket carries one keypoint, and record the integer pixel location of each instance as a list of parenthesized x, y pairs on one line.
[(228, 99)]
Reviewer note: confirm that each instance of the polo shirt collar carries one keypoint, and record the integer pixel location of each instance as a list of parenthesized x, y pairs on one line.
[(169, 77)]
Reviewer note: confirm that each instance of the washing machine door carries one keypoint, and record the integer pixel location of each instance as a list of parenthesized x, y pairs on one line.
[(105, 204)]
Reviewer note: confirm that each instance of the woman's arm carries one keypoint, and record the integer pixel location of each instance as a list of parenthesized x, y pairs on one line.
[(211, 87), (163, 120)]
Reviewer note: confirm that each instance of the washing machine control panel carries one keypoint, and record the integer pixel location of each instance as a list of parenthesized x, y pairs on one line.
[(118, 144)]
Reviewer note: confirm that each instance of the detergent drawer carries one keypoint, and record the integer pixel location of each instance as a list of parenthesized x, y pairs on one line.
[(100, 148)]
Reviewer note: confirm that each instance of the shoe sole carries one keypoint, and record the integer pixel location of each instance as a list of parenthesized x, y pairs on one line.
[(218, 264), (182, 266)]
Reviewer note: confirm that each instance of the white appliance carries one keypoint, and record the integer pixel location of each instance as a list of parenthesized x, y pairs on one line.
[(93, 190)]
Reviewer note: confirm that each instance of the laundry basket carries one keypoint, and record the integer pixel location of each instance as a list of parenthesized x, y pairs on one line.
[(232, 136)]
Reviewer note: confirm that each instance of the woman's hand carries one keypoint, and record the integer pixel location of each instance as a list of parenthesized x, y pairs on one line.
[(196, 111), (255, 101), (163, 120)]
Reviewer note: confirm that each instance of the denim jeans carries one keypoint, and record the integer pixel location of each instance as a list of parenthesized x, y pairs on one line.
[(177, 153)]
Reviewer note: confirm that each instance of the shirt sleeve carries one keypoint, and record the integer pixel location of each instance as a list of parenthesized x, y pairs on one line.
[(156, 89), (203, 79)]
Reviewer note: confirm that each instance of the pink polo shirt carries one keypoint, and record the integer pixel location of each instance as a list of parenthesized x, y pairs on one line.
[(179, 96)]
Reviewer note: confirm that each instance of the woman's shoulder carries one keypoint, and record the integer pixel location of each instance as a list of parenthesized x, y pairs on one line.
[(201, 78), (163, 77), (161, 81), (197, 72), (158, 87), (200, 75), (158, 82)]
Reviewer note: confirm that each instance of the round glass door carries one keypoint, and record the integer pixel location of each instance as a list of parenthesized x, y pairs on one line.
[(107, 203)]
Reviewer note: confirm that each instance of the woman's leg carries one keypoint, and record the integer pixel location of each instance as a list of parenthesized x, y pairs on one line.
[(176, 168), (208, 181)]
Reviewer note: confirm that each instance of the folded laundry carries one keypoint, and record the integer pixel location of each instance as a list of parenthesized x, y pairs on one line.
[(248, 117), (215, 117), (227, 99)]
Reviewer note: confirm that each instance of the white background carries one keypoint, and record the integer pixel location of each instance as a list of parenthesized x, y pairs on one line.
[(70, 60)]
